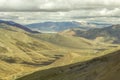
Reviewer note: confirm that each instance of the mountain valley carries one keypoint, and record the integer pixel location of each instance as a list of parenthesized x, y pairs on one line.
[(26, 54)]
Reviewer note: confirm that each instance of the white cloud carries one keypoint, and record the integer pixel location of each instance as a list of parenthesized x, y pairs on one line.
[(57, 10), (106, 12), (33, 17), (56, 5)]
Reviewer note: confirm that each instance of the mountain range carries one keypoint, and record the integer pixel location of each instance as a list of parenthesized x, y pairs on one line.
[(110, 33), (60, 26)]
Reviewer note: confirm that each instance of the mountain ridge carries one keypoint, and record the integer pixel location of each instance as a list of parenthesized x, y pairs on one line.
[(110, 33), (14, 24)]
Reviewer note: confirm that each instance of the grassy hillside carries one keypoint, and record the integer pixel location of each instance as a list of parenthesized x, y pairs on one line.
[(70, 58), (75, 44), (19, 50), (106, 67), (15, 45), (66, 41)]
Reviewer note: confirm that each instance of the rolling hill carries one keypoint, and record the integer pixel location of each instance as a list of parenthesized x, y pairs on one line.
[(73, 43), (65, 41), (105, 67)]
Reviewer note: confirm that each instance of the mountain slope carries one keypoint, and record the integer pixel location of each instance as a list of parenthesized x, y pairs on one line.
[(66, 59), (106, 67), (65, 41), (12, 45), (19, 51), (70, 58), (13, 24), (108, 33)]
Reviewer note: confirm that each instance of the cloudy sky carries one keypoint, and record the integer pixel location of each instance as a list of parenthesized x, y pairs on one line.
[(30, 11)]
